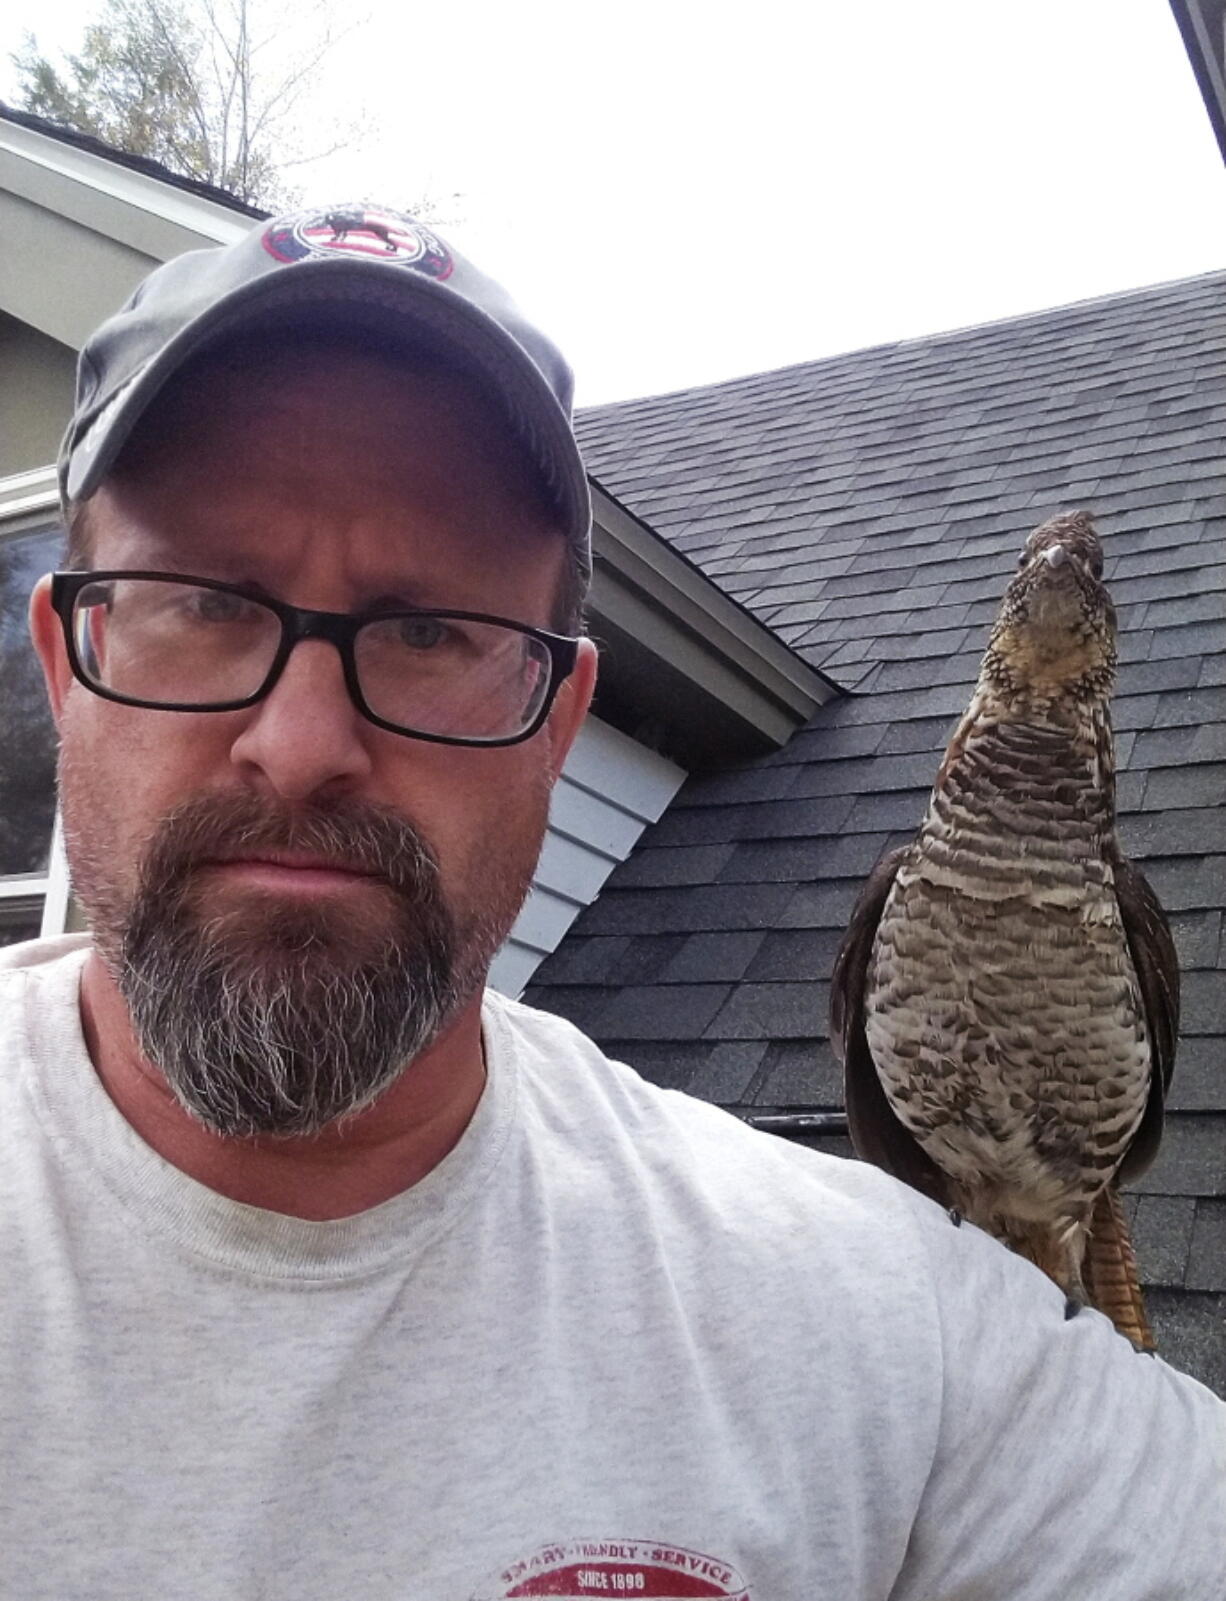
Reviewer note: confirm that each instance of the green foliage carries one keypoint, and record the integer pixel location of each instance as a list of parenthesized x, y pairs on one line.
[(172, 81), (133, 83)]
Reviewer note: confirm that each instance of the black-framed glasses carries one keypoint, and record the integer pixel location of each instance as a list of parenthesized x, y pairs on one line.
[(174, 643)]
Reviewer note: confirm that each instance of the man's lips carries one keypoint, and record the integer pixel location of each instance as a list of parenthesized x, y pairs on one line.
[(295, 871)]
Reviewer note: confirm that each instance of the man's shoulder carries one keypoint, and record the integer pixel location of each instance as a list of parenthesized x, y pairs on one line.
[(38, 955), (48, 970), (705, 1157), (567, 1068)]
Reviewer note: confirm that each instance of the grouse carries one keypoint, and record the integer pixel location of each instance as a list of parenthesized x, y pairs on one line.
[(1005, 1000)]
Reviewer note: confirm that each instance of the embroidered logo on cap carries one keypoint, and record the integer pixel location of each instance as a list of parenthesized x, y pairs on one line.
[(362, 231), (573, 1570)]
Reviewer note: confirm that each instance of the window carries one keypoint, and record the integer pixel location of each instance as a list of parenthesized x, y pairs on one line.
[(31, 541), (19, 921)]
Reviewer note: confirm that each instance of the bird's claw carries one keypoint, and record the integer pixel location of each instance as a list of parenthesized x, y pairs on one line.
[(955, 1217)]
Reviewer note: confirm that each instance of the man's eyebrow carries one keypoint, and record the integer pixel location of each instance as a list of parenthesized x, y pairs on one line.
[(168, 556), (246, 570), (390, 596)]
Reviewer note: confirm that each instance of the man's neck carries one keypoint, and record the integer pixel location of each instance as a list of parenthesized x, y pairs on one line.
[(373, 1156)]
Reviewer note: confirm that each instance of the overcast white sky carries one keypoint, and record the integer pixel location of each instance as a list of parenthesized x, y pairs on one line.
[(682, 190)]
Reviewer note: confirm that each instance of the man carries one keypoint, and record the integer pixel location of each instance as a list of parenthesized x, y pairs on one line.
[(325, 1273)]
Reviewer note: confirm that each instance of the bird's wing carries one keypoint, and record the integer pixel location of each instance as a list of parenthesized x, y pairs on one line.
[(1157, 967), (876, 1132)]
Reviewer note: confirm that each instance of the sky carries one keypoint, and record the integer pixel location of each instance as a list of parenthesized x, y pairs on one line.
[(682, 191)]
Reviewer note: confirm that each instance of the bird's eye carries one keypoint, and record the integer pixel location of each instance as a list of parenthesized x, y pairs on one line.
[(1023, 558)]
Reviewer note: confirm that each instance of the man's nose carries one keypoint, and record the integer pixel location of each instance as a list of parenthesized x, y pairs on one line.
[(306, 735)]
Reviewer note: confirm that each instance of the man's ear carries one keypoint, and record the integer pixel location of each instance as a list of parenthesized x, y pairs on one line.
[(48, 639), (570, 707)]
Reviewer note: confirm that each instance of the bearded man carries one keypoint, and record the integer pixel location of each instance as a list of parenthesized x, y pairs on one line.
[(327, 1271)]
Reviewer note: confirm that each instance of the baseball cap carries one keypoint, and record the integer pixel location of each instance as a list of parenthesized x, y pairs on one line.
[(357, 265)]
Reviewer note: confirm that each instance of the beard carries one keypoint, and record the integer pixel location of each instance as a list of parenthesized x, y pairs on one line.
[(268, 1015)]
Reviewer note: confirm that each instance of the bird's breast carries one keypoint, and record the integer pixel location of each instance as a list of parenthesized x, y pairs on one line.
[(1019, 811), (1002, 1006)]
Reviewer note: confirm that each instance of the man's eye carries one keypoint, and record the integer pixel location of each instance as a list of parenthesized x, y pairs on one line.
[(422, 633), (216, 606)]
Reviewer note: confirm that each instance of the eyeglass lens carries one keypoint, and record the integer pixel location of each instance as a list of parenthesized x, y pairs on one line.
[(171, 643)]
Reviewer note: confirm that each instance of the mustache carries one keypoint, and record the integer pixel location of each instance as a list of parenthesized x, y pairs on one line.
[(358, 835)]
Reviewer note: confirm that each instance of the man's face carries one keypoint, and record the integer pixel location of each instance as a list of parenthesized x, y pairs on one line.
[(293, 849)]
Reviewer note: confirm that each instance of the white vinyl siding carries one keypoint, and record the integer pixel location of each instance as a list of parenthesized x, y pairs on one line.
[(610, 790)]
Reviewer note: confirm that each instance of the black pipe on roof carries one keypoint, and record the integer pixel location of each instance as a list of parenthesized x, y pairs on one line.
[(792, 1124)]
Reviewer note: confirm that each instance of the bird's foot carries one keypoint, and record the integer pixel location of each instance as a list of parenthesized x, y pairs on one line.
[(955, 1217), (1071, 1308)]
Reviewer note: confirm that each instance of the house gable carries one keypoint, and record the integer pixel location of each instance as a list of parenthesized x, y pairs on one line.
[(688, 675)]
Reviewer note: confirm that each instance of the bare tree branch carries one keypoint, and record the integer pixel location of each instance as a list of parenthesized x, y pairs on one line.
[(175, 49), (215, 89)]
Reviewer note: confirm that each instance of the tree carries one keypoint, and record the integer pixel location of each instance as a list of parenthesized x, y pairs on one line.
[(210, 88)]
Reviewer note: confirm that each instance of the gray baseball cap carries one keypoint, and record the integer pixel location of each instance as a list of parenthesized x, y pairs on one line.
[(355, 265)]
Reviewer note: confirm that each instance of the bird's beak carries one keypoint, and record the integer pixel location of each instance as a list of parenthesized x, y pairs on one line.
[(1055, 555)]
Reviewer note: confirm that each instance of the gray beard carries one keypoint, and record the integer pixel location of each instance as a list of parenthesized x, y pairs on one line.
[(276, 1019)]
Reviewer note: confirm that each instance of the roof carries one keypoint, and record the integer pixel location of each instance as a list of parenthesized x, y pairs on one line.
[(870, 507), (123, 158)]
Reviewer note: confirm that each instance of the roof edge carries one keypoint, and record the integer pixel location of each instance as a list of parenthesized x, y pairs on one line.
[(122, 158), (1208, 64), (666, 608)]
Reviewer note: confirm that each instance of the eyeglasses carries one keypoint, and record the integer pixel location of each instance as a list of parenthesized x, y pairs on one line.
[(181, 644)]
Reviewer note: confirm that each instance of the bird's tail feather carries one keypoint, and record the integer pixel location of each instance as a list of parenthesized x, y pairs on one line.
[(1110, 1270)]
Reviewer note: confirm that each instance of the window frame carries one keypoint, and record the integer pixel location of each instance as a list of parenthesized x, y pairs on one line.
[(26, 501)]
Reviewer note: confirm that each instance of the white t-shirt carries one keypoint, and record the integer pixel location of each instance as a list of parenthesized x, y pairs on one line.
[(616, 1344)]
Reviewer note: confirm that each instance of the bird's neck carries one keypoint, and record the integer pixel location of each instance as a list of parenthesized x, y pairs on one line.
[(1022, 797)]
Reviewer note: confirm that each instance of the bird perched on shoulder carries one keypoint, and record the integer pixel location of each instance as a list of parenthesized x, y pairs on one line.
[(1005, 1001)]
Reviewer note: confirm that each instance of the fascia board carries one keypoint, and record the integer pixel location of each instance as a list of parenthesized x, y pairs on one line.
[(711, 638), (1200, 25), (635, 618), (156, 219), (28, 494)]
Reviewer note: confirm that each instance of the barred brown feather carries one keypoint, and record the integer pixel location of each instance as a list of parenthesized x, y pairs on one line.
[(1006, 999), (1110, 1270)]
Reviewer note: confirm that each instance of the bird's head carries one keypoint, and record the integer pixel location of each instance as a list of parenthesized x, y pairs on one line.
[(1054, 638)]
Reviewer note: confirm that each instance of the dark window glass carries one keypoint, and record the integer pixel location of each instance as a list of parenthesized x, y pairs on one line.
[(16, 925), (27, 736)]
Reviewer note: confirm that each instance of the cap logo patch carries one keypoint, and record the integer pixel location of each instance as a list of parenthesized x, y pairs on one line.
[(361, 231)]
